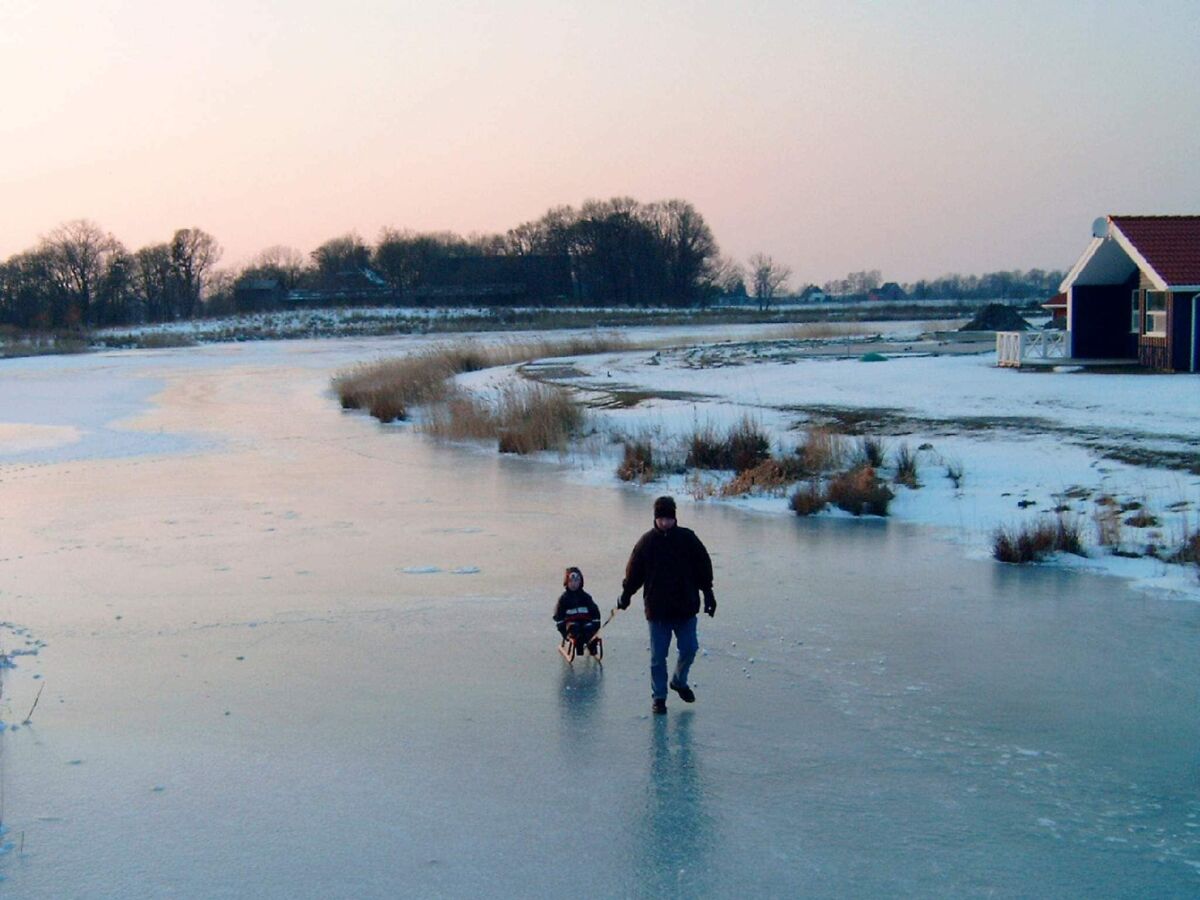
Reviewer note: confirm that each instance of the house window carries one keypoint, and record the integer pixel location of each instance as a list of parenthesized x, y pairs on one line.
[(1156, 313), (1135, 309)]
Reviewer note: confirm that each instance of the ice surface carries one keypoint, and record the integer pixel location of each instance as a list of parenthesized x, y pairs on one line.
[(915, 717)]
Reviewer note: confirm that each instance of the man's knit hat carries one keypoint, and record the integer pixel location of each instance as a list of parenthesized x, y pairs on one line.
[(664, 508)]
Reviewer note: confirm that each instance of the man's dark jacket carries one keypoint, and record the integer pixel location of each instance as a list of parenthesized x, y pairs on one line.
[(674, 568)]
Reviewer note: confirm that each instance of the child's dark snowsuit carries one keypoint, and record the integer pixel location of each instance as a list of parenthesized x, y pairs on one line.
[(577, 615)]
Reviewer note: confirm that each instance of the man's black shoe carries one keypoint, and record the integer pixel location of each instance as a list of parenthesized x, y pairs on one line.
[(686, 694), (659, 707)]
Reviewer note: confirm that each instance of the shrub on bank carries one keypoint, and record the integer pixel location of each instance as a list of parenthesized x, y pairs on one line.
[(536, 417), (906, 467), (769, 476), (823, 450), (390, 387), (860, 492), (872, 452), (637, 463), (743, 447), (522, 419), (809, 499), (461, 417), (1037, 540)]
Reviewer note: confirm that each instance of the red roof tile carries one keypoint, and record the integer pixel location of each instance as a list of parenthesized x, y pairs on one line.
[(1171, 244)]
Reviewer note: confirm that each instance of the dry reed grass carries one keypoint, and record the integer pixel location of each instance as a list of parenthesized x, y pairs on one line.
[(1037, 540), (823, 450), (389, 388), (523, 418), (860, 492), (1109, 527), (906, 467), (769, 477), (870, 452), (743, 447), (810, 331), (637, 463), (808, 499)]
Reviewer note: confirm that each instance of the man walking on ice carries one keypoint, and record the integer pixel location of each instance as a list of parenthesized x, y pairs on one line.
[(673, 569)]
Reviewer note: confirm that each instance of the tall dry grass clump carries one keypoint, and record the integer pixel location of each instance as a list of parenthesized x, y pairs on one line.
[(906, 467), (769, 477), (808, 499), (1107, 518), (823, 450), (637, 464), (461, 417), (535, 417), (1037, 540), (871, 452), (522, 419), (860, 492), (744, 446), (389, 388), (1189, 551)]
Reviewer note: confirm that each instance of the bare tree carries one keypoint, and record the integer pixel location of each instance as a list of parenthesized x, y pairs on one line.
[(688, 248), (729, 276), (285, 264), (152, 281), (341, 256), (193, 254), (79, 252), (767, 278)]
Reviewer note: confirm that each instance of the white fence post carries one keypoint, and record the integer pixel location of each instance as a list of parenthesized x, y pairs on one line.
[(1010, 346)]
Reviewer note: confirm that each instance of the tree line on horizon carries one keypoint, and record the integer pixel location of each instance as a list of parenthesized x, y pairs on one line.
[(606, 252)]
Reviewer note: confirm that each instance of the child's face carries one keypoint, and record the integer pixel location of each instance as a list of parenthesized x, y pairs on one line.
[(574, 581)]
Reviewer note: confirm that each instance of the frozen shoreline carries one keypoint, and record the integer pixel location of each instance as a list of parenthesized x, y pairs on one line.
[(1031, 444)]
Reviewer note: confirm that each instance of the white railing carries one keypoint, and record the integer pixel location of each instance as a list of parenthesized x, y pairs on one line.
[(1015, 347)]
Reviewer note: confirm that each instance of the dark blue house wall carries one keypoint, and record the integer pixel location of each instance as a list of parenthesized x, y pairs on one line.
[(1100, 321)]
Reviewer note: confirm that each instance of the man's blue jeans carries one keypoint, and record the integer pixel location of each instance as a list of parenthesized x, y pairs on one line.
[(686, 645)]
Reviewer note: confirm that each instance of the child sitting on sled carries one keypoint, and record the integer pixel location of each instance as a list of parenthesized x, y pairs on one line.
[(577, 615)]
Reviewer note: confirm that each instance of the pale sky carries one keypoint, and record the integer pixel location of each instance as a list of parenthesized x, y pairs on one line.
[(918, 137)]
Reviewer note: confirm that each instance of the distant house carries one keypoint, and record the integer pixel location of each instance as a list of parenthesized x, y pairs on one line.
[(251, 294), (889, 291), (1057, 307), (1133, 293), (813, 294)]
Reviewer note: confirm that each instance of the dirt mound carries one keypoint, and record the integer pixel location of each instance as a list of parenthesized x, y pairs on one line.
[(996, 317)]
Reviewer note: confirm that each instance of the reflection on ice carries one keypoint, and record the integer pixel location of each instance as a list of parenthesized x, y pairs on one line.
[(674, 831)]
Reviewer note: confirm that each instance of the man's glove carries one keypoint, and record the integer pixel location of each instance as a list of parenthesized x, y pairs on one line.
[(623, 602), (710, 604)]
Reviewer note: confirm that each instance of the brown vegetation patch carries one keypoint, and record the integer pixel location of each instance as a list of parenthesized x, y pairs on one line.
[(1035, 541), (823, 450), (808, 499), (523, 419), (770, 477), (906, 467), (637, 464), (743, 447), (860, 492)]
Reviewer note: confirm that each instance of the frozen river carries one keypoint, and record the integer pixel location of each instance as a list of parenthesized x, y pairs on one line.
[(292, 653)]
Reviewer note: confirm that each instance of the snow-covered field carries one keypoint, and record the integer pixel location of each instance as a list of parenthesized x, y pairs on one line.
[(1030, 444)]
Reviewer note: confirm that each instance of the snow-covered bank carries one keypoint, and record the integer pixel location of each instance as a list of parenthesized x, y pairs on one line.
[(1030, 444)]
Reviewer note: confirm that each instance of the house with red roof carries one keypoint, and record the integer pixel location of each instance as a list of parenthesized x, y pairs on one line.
[(1133, 294)]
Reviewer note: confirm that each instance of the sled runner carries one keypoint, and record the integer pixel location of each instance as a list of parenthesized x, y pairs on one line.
[(570, 647)]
